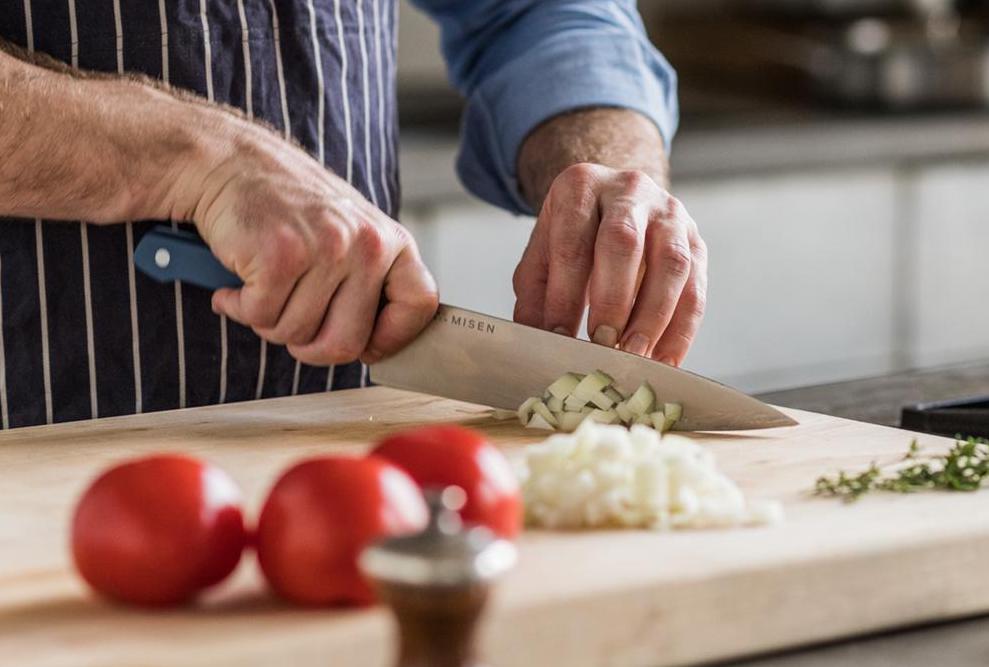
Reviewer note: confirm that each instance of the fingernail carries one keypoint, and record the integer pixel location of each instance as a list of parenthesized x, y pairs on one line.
[(637, 344), (561, 330), (605, 335), (669, 361), (371, 357)]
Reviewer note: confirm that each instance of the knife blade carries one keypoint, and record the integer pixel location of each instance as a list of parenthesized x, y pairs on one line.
[(481, 359)]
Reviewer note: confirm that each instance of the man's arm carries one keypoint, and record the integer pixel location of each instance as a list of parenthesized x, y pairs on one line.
[(569, 113), (96, 148), (109, 149)]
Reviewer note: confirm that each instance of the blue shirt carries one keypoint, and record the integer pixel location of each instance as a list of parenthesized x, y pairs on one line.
[(520, 62)]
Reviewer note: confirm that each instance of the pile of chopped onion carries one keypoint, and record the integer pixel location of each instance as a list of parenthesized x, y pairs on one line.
[(609, 476), (574, 398)]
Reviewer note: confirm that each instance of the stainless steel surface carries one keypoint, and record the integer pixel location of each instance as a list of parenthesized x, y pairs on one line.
[(481, 359)]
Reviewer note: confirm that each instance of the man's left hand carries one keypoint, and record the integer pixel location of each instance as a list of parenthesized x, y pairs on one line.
[(618, 242)]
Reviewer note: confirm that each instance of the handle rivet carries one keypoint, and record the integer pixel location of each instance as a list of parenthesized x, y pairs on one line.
[(163, 258)]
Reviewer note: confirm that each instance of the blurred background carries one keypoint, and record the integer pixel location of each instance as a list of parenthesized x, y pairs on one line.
[(835, 154)]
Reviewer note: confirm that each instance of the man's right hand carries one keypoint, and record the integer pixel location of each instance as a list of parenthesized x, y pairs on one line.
[(315, 256)]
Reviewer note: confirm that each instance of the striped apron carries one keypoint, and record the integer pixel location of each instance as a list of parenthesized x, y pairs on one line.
[(84, 336)]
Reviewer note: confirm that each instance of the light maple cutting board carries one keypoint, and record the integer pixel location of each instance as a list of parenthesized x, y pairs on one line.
[(576, 599)]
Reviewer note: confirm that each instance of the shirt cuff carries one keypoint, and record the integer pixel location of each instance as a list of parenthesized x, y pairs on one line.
[(565, 73)]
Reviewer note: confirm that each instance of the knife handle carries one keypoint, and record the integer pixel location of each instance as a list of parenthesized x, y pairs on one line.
[(167, 254)]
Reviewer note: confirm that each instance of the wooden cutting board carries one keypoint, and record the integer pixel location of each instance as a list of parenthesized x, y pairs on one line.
[(576, 599)]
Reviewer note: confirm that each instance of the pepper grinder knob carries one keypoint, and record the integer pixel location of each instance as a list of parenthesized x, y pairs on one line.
[(437, 583)]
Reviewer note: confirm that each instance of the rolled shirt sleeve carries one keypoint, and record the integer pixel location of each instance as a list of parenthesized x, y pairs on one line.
[(521, 62)]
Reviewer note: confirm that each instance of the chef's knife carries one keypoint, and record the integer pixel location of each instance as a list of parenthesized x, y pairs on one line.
[(481, 359)]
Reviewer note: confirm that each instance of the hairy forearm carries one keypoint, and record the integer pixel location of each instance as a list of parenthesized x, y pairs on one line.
[(617, 138), (105, 149)]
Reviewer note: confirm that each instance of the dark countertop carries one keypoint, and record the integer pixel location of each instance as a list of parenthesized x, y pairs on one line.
[(878, 400)]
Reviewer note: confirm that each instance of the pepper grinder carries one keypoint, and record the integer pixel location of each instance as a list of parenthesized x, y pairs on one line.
[(437, 583)]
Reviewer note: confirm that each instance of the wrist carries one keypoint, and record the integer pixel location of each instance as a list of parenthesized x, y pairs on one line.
[(193, 140), (612, 137)]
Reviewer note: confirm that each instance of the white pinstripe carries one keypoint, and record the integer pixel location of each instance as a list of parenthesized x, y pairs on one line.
[(163, 20), (208, 61), (29, 25), (179, 312), (46, 364), (129, 232), (321, 101), (286, 124), (73, 34), (320, 130), (383, 163), (87, 283), (4, 417), (343, 89), (367, 102), (279, 68), (119, 33), (46, 367), (245, 43), (207, 50), (389, 59)]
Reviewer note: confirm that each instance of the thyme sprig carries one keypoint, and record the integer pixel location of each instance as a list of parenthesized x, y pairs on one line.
[(963, 468)]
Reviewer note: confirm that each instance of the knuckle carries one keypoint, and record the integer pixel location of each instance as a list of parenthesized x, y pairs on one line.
[(674, 258), (332, 241), (575, 250), (700, 251), (633, 179), (403, 236), (425, 300), (621, 235), (579, 176), (372, 246), (695, 301), (288, 252)]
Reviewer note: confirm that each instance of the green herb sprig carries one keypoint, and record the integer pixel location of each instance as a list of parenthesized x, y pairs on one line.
[(963, 468)]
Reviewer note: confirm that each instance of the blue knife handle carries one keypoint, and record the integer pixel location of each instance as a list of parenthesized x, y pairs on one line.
[(167, 254)]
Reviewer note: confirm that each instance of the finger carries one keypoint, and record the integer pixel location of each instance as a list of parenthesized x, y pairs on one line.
[(255, 304), (617, 258), (529, 280), (267, 285), (668, 262), (305, 310), (411, 301), (679, 335), (347, 326), (572, 210)]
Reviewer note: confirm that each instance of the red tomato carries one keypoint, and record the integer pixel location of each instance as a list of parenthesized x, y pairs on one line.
[(446, 454), (321, 514), (158, 530)]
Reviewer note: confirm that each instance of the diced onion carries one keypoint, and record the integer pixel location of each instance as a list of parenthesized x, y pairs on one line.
[(609, 476), (564, 385), (573, 397)]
